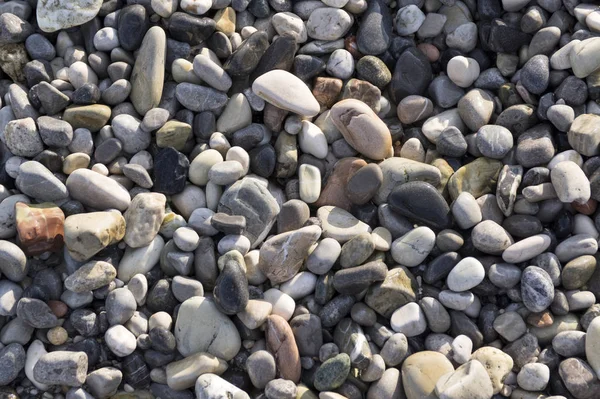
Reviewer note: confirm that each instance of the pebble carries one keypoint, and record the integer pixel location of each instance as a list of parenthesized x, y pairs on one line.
[(463, 71), (286, 91), (194, 336), (61, 367)]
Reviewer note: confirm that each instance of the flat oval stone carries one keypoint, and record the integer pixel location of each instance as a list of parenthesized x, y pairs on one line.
[(537, 289), (421, 202), (412, 248), (147, 77), (97, 191), (489, 237), (286, 91), (526, 249), (354, 119), (467, 274)]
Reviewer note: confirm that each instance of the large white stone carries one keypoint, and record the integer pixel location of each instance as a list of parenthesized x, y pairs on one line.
[(286, 91), (201, 327)]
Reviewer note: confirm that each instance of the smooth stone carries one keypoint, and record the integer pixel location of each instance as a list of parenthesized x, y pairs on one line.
[(352, 118), (38, 182), (570, 182), (409, 199), (421, 371), (526, 249), (285, 91), (13, 262), (61, 368), (148, 71), (282, 344), (140, 260), (490, 237), (280, 265), (409, 320), (200, 327), (467, 274), (340, 224), (412, 248), (537, 289), (261, 368), (97, 191), (328, 23)]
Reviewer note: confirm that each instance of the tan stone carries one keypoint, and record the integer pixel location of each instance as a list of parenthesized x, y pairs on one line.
[(362, 128), (497, 364), (183, 373), (421, 371), (86, 234)]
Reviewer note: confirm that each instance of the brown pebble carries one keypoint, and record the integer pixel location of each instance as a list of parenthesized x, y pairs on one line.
[(542, 319), (58, 308), (327, 90), (282, 344), (334, 192), (587, 208)]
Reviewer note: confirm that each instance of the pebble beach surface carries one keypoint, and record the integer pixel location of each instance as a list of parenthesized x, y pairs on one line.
[(313, 199)]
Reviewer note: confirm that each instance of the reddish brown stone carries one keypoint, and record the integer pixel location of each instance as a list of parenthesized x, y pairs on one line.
[(587, 208), (282, 344), (59, 308), (327, 90), (334, 192), (40, 227)]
